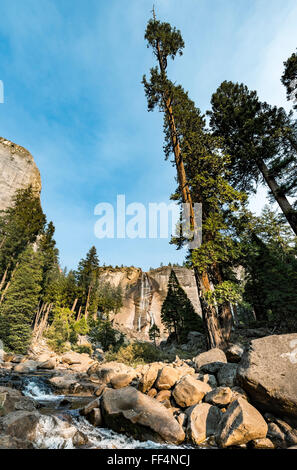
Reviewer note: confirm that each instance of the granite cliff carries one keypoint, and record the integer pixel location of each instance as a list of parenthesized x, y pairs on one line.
[(144, 293), (17, 170)]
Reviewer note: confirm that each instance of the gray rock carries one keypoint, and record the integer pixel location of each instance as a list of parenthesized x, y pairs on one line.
[(208, 357), (17, 171), (145, 418), (21, 424), (208, 379), (26, 367), (227, 375), (267, 373), (234, 353)]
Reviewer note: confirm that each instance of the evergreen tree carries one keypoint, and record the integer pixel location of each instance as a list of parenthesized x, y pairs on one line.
[(154, 333), (177, 313), (289, 78), (201, 176), (261, 140), (47, 246), (87, 281), (19, 306), (19, 226), (270, 270)]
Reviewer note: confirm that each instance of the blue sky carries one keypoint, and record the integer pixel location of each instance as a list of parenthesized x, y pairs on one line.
[(72, 73)]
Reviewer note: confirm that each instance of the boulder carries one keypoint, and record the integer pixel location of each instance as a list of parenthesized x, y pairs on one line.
[(220, 396), (262, 444), (26, 367), (227, 375), (63, 383), (95, 417), (208, 379), (182, 419), (234, 353), (189, 391), (238, 392), (100, 389), (289, 432), (145, 418), (203, 422), (71, 357), (167, 378), (76, 361), (48, 364), (105, 372), (163, 395), (12, 400), (122, 380), (240, 424), (152, 393), (20, 424), (10, 442), (213, 355), (267, 373), (277, 436), (90, 406), (149, 374)]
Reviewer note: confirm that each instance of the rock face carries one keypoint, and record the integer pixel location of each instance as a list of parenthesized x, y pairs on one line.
[(17, 171), (145, 418), (144, 294), (267, 373)]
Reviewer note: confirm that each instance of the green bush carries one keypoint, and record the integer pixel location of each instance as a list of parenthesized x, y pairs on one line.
[(136, 353), (84, 349), (104, 333)]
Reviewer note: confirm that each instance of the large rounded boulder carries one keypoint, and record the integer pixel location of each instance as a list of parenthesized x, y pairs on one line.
[(267, 372), (128, 410)]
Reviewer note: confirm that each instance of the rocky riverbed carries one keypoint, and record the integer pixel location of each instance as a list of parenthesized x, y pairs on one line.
[(237, 398)]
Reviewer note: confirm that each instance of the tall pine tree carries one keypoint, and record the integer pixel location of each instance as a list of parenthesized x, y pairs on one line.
[(200, 172), (19, 306)]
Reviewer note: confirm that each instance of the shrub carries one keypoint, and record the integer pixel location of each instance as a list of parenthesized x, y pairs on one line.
[(84, 349), (104, 333), (136, 353), (61, 330)]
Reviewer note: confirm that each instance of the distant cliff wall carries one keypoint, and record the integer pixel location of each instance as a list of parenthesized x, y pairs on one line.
[(17, 171), (144, 294)]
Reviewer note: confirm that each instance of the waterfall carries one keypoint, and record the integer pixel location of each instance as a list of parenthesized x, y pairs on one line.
[(142, 310)]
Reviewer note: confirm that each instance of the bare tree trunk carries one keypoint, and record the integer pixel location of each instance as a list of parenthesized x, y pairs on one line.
[(3, 278), (226, 318), (79, 313), (88, 302), (74, 305), (43, 322), (289, 212), (4, 292), (38, 314)]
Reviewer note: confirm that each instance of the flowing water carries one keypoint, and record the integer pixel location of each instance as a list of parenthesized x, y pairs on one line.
[(62, 427), (142, 315)]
